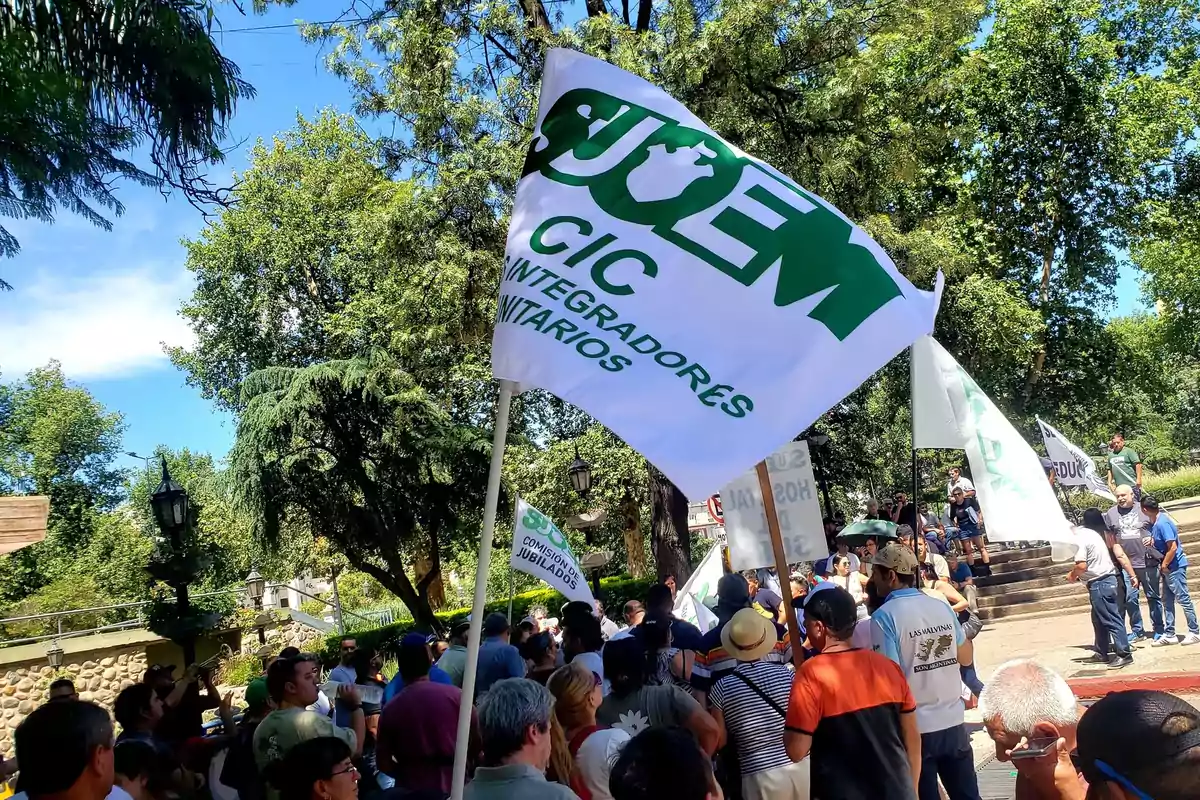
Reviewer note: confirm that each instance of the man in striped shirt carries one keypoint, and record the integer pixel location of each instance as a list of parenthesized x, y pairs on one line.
[(749, 705), (713, 660)]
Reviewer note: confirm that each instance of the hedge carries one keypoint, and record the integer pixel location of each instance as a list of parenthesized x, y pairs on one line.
[(616, 591), (1174, 485)]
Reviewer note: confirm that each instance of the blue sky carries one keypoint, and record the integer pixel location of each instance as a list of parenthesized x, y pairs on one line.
[(104, 303)]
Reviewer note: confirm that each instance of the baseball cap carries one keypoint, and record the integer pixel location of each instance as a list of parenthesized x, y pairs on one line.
[(413, 639), (257, 696), (896, 557), (460, 628), (155, 671), (495, 624), (733, 591), (1133, 732)]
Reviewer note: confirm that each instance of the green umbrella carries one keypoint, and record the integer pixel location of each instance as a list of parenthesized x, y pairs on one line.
[(856, 534)]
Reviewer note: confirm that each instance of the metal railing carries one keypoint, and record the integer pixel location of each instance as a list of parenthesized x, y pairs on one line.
[(373, 617), (137, 622)]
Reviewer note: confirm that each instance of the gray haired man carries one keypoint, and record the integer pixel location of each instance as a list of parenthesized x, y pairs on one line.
[(1026, 701), (514, 725)]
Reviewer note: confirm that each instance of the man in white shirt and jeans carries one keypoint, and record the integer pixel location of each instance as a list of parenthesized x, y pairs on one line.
[(1095, 568), (921, 633)]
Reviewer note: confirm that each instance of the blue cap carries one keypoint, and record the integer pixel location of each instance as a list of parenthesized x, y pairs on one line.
[(413, 640)]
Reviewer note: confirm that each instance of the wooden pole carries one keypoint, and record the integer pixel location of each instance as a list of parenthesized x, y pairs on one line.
[(781, 566)]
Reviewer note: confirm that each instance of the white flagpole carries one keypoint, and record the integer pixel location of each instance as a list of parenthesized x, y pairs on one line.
[(516, 501), (507, 389)]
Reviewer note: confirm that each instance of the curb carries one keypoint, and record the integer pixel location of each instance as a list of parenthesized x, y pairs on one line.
[(1173, 682)]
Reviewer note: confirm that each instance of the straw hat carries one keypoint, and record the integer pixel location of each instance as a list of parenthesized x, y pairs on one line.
[(748, 636)]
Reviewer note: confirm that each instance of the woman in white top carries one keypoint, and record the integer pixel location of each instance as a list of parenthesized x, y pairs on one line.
[(577, 695), (850, 580)]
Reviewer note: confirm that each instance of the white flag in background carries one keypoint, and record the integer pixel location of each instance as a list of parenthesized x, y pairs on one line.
[(540, 549), (693, 299), (1018, 502), (1072, 466), (689, 600)]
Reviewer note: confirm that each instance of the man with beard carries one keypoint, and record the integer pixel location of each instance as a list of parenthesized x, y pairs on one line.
[(1131, 527)]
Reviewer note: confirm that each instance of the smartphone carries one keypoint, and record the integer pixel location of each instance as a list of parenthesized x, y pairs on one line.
[(1041, 746)]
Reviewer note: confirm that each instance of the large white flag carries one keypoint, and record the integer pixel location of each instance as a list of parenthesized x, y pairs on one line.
[(693, 299), (1072, 466), (1018, 502), (540, 549)]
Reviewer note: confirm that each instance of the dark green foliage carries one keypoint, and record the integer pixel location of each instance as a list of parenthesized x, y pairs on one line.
[(616, 591), (84, 81)]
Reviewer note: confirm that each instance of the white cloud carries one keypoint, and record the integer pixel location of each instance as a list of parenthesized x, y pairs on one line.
[(103, 325)]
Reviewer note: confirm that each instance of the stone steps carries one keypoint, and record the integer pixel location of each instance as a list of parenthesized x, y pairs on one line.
[(1027, 584)]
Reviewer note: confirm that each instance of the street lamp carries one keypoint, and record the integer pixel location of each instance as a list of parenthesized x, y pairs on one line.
[(170, 504), (816, 442), (145, 460), (580, 473), (256, 587), (54, 655)]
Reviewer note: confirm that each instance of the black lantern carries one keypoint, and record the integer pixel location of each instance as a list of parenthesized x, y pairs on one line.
[(169, 502), (580, 473), (256, 587), (54, 655)]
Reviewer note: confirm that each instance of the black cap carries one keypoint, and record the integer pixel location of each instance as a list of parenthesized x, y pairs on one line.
[(495, 624), (733, 591), (1134, 732), (460, 628)]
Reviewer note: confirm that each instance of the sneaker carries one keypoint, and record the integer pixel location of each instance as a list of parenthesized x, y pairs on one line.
[(1120, 662), (1191, 638), (1139, 637), (1165, 640)]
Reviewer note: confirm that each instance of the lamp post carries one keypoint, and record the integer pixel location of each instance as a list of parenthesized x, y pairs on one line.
[(580, 474), (256, 587), (170, 506), (816, 442), (54, 655)]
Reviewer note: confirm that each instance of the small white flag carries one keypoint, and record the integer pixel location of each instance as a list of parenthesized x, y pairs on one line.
[(1072, 466), (540, 549)]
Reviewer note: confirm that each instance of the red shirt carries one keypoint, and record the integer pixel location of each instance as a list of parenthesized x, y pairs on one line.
[(417, 731)]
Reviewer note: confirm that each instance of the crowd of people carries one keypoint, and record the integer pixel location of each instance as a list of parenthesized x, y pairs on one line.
[(580, 706)]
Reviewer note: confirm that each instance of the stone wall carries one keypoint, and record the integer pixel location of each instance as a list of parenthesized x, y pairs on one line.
[(99, 678)]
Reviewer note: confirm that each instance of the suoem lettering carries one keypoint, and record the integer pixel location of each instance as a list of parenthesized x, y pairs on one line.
[(689, 188)]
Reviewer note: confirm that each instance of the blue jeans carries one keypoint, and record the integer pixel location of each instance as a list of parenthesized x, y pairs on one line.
[(947, 754), (1107, 624), (1148, 578), (1175, 586)]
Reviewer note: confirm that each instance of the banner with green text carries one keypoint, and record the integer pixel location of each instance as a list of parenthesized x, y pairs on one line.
[(690, 297), (540, 549)]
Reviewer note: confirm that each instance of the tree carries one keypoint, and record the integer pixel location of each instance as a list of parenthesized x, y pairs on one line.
[(56, 440), (84, 82), (353, 450), (539, 476), (1077, 106)]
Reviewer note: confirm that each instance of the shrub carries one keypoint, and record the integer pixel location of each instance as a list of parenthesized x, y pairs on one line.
[(1174, 485), (616, 592), (239, 669)]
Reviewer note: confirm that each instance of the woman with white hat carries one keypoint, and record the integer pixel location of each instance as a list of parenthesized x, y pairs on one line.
[(750, 705)]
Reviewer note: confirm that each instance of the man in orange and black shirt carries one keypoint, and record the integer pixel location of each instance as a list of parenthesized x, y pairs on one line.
[(852, 710)]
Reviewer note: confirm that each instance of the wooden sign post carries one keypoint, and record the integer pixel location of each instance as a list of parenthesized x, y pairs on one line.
[(781, 566)]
